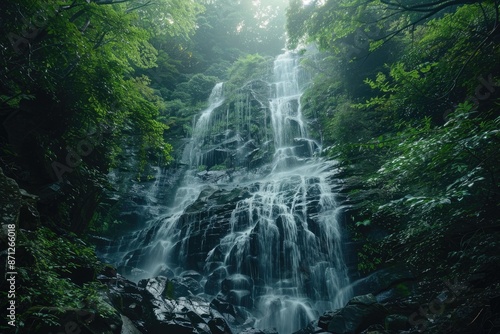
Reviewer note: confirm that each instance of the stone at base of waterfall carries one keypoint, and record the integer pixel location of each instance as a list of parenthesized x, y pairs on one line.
[(151, 310), (192, 284), (357, 315), (236, 282), (71, 320), (214, 280), (312, 328), (385, 283), (259, 331), (164, 270), (241, 298), (236, 290), (193, 274), (171, 288), (235, 315), (128, 326), (397, 322)]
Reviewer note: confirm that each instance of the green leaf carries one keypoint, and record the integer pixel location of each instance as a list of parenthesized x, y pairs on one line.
[(365, 222)]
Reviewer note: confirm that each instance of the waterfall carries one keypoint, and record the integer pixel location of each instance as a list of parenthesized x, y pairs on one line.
[(293, 214), (267, 239), (202, 126)]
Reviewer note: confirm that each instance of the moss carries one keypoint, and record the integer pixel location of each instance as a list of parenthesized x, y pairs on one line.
[(169, 291)]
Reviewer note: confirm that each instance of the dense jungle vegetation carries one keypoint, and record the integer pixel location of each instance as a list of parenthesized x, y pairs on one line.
[(405, 97)]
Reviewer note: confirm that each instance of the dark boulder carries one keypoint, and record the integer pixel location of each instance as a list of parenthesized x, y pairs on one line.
[(162, 287), (240, 298), (187, 316), (236, 282), (311, 328), (218, 325), (193, 285), (72, 320), (157, 286), (235, 315), (386, 284), (152, 308), (164, 270), (357, 315), (192, 274), (305, 147), (259, 331), (212, 285), (397, 322)]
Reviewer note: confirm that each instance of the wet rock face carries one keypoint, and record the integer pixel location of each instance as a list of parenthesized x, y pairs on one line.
[(237, 289), (219, 211), (211, 261), (151, 307), (360, 313), (311, 328), (239, 132), (386, 284), (204, 224), (258, 331), (236, 316)]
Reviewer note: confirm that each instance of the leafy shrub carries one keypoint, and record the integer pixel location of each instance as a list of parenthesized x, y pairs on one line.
[(46, 275)]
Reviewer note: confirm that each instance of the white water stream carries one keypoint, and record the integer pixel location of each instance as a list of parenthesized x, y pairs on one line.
[(285, 234)]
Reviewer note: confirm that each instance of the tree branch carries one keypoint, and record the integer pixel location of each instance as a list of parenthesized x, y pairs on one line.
[(143, 5), (110, 2)]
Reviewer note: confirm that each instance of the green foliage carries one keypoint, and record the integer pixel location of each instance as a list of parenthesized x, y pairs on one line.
[(248, 68), (441, 185), (365, 222), (200, 86), (171, 17), (403, 290), (369, 258), (81, 76), (454, 158), (218, 167), (169, 291), (423, 181), (46, 276)]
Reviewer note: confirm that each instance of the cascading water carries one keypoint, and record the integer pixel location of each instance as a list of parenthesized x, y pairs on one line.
[(202, 127), (293, 215), (266, 240)]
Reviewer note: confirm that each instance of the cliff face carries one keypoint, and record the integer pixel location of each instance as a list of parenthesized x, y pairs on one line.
[(237, 133)]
